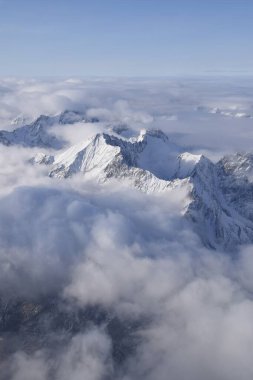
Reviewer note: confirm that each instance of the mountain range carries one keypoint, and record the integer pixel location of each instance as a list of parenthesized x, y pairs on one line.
[(38, 134), (219, 195), (217, 205)]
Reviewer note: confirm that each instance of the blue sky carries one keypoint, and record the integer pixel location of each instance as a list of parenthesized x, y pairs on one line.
[(125, 37)]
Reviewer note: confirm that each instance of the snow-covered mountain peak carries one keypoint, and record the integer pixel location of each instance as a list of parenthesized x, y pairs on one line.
[(219, 202), (38, 132), (72, 117), (187, 163), (153, 153), (145, 134), (88, 157)]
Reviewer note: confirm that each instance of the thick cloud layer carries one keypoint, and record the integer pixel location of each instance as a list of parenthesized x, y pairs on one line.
[(45, 231), (212, 115), (127, 253)]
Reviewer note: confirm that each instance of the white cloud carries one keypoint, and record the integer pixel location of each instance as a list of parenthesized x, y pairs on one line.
[(87, 356)]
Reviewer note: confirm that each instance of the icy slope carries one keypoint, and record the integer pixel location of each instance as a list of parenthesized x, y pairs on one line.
[(107, 155)]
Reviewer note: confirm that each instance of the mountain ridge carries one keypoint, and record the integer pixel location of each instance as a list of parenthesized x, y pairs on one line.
[(38, 134), (152, 163)]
